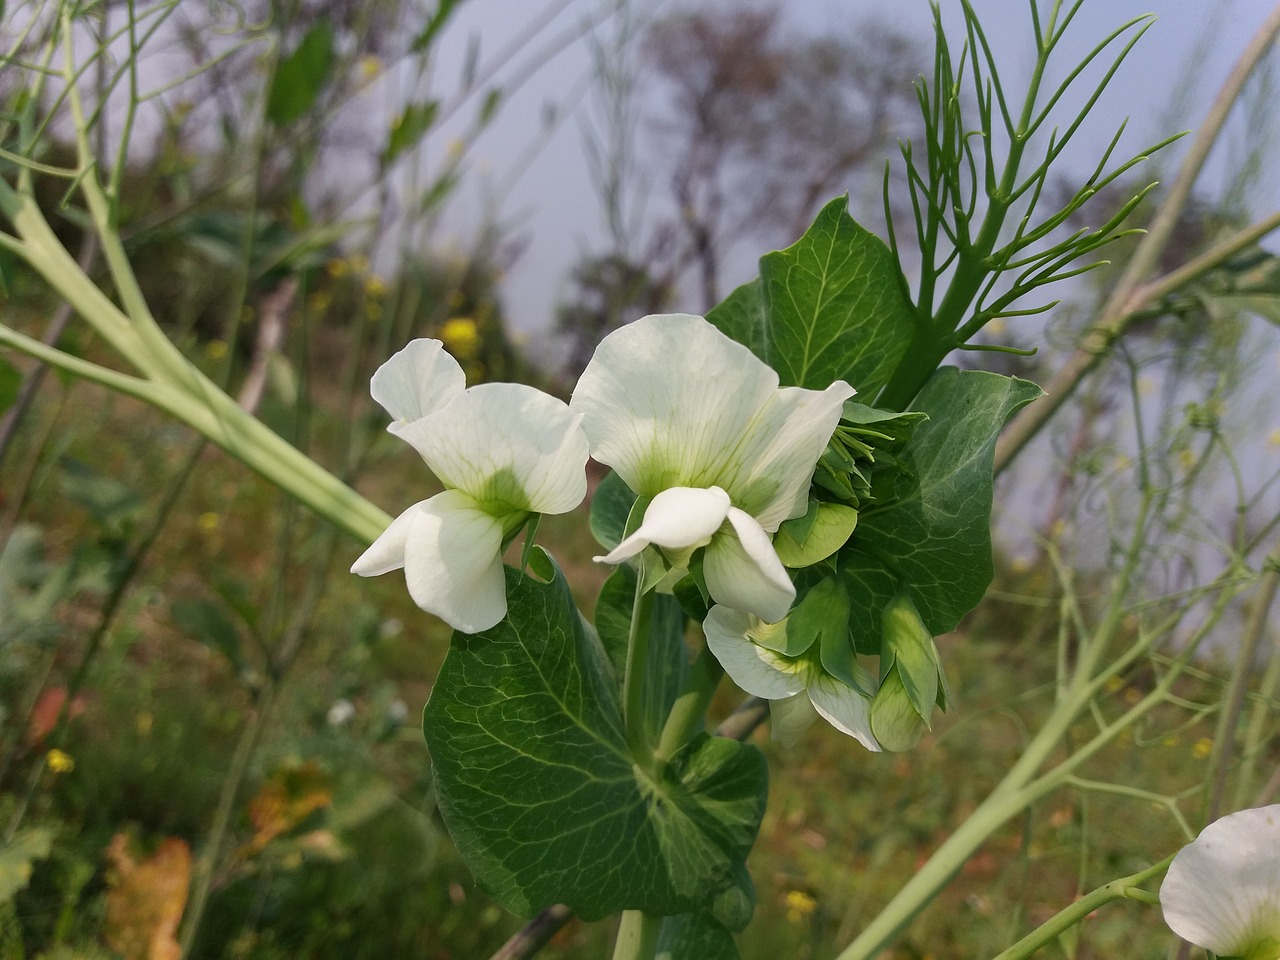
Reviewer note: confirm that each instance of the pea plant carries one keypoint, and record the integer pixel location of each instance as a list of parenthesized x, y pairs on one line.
[(799, 497)]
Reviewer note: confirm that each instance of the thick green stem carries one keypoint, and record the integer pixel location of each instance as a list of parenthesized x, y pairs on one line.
[(634, 714), (637, 936), (1125, 888), (688, 713)]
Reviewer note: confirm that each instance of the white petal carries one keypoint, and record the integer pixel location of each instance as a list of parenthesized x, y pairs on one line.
[(743, 570), (789, 718), (666, 401), (387, 552), (844, 708), (780, 451), (418, 380), (677, 518), (756, 669), (1222, 891), (453, 562), (507, 445)]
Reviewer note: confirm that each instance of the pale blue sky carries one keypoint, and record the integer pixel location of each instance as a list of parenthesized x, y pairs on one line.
[(551, 202)]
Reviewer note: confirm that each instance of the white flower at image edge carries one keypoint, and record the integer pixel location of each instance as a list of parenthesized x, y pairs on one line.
[(1222, 891), (502, 450), (697, 422), (798, 690)]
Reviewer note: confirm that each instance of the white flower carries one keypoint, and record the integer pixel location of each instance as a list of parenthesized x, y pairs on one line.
[(798, 688), (340, 712), (1222, 891), (698, 423), (502, 450)]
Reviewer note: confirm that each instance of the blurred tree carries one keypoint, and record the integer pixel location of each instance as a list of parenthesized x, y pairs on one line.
[(610, 291), (759, 127)]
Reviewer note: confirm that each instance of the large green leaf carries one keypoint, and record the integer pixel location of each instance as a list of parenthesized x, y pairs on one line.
[(542, 795), (301, 75), (934, 541), (829, 307), (695, 936)]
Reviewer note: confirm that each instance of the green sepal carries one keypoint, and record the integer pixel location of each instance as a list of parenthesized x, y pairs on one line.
[(895, 722), (907, 646), (829, 529)]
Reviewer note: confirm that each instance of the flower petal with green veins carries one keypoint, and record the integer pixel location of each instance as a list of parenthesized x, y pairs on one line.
[(417, 381), (844, 708), (1222, 891), (670, 401), (507, 445), (744, 572), (451, 552), (756, 669), (677, 518)]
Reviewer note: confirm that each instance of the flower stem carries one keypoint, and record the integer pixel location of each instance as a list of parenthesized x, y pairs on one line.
[(637, 936), (689, 711), (639, 734), (1121, 889)]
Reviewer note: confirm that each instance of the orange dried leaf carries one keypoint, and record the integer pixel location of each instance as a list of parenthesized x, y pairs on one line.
[(146, 898)]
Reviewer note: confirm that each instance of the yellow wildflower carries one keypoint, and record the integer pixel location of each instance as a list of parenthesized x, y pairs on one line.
[(461, 337), (799, 905), (59, 762)]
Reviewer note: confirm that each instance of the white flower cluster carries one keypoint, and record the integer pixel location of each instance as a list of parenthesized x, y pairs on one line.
[(690, 420)]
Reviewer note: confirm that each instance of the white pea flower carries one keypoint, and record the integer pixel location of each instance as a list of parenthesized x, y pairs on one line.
[(1222, 891), (502, 450), (698, 423), (798, 689)]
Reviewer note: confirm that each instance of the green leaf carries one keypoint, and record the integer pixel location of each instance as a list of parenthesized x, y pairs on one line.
[(10, 384), (610, 506), (695, 936), (834, 306), (539, 790), (934, 541), (831, 528), (741, 317), (301, 75), (18, 854), (408, 128)]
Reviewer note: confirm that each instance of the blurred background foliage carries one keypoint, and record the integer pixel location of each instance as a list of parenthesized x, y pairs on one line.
[(209, 737)]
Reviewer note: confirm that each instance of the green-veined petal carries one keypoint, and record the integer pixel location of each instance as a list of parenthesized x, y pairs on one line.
[(667, 400), (756, 669), (743, 571), (844, 708), (416, 381), (509, 446), (1222, 891)]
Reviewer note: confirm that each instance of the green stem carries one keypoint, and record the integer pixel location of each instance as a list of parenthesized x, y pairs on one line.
[(688, 713), (637, 936), (1124, 888), (639, 736)]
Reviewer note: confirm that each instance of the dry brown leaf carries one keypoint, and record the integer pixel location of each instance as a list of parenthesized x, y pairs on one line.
[(146, 899)]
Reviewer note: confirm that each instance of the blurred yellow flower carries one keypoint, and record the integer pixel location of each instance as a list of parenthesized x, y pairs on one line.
[(370, 67), (336, 267), (215, 349), (59, 762), (1203, 747), (799, 905), (208, 521), (359, 263), (375, 286), (461, 337)]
